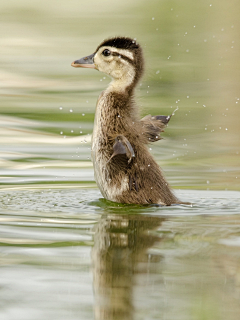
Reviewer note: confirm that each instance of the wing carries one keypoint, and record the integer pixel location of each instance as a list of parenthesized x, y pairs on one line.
[(122, 146), (153, 126)]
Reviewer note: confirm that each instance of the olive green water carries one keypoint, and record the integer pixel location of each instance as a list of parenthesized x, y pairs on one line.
[(65, 252)]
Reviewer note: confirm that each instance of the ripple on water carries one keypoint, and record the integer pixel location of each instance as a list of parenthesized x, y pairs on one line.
[(84, 202)]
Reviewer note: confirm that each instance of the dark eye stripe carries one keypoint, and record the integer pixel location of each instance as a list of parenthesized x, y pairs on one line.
[(123, 57)]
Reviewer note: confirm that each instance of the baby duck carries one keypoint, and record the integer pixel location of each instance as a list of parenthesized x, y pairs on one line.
[(124, 169)]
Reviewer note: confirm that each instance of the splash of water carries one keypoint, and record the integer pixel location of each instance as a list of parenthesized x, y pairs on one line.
[(175, 111)]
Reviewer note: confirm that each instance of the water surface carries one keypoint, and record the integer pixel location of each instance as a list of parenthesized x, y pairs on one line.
[(68, 253)]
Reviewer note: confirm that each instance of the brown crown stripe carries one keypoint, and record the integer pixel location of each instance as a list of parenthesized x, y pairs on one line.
[(123, 57)]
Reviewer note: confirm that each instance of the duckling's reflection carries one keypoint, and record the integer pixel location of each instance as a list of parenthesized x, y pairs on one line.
[(120, 244)]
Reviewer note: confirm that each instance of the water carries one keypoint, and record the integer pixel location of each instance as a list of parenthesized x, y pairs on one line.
[(65, 252), (68, 253)]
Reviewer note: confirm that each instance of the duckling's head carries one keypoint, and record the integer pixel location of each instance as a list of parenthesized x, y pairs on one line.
[(121, 58)]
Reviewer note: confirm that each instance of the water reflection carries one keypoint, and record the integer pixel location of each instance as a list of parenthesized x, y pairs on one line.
[(121, 243)]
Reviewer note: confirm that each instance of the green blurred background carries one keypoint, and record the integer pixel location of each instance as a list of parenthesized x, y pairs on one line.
[(47, 107)]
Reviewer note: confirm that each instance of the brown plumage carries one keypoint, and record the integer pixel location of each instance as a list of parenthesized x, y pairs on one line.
[(124, 169)]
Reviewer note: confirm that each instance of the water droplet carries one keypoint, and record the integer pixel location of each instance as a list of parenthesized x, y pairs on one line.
[(187, 50), (70, 110), (72, 131), (187, 97), (226, 129), (153, 18), (210, 5), (60, 108), (157, 72), (175, 111), (148, 165)]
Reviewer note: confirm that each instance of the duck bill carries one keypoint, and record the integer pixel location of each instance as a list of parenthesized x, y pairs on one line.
[(85, 62)]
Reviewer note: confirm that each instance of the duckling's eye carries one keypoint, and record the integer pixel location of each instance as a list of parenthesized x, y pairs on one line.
[(106, 52)]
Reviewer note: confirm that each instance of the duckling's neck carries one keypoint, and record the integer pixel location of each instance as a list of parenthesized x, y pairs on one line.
[(115, 106), (124, 84)]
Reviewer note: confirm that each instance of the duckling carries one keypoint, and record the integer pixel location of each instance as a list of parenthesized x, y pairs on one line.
[(124, 169)]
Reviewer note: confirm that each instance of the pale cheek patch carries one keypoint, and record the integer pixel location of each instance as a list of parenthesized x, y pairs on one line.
[(101, 62), (124, 68), (120, 69)]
